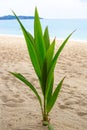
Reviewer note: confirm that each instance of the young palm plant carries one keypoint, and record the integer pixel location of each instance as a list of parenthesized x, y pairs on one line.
[(41, 52)]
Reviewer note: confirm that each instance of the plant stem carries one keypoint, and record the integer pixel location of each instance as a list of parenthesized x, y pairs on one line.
[(45, 115)]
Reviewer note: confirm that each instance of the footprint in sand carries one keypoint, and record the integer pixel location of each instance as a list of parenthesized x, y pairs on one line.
[(12, 101), (68, 104), (62, 106), (82, 113), (4, 98)]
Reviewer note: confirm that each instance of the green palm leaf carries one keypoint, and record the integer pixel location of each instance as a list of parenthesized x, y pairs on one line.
[(50, 53), (46, 38), (39, 41), (46, 64), (54, 96), (25, 81), (44, 77), (53, 63), (49, 56), (50, 90), (31, 49), (31, 38)]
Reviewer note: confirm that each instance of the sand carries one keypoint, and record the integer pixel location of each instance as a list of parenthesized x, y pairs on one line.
[(19, 108)]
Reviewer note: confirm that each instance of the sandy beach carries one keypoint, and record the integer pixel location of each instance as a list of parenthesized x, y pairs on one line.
[(19, 108)]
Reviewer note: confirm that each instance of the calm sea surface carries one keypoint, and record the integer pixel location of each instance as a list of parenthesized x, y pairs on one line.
[(57, 27)]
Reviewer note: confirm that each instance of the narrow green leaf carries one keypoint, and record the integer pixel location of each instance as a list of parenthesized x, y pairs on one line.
[(46, 64), (46, 38), (47, 61), (53, 64), (50, 53), (31, 38), (50, 90), (54, 96), (39, 41), (44, 76), (31, 48), (25, 81), (49, 57)]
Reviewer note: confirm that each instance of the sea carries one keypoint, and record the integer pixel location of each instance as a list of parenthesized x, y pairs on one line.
[(59, 28)]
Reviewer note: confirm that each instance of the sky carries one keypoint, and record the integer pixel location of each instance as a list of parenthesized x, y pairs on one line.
[(46, 8)]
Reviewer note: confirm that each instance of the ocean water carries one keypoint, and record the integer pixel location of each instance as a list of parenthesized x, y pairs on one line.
[(59, 28)]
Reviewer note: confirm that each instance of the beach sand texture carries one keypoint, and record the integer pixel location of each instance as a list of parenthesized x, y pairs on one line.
[(19, 108)]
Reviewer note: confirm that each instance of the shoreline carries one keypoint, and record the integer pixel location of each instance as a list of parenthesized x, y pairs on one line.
[(58, 39)]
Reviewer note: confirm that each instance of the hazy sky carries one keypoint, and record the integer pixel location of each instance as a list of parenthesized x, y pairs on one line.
[(46, 8)]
